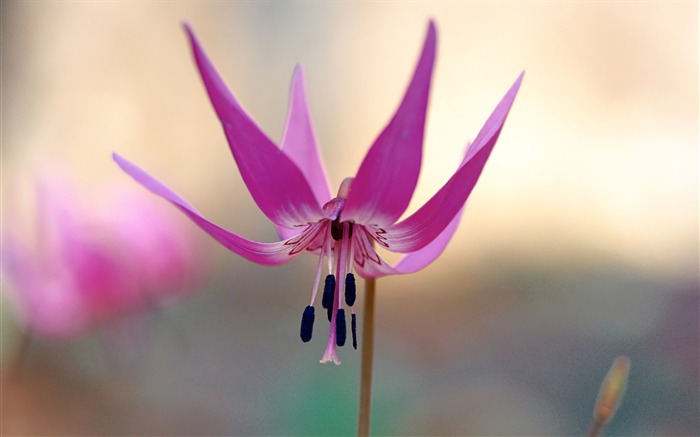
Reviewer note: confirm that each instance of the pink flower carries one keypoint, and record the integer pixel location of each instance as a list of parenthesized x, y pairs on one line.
[(89, 265), (289, 185)]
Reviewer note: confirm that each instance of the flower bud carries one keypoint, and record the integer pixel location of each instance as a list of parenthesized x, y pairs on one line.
[(612, 390)]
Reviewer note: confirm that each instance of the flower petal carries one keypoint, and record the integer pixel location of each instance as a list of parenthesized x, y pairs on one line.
[(299, 140), (40, 288), (388, 175), (20, 268), (373, 266), (423, 257), (300, 145), (426, 224), (261, 253), (277, 185), (46, 303)]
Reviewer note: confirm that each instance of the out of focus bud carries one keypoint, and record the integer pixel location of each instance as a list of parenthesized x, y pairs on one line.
[(612, 390)]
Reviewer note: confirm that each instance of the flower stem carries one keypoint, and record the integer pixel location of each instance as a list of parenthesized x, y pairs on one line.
[(596, 429), (367, 359)]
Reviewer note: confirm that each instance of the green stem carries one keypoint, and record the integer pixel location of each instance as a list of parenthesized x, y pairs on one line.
[(367, 359)]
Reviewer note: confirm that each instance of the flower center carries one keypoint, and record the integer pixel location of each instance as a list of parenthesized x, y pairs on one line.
[(337, 229), (338, 249)]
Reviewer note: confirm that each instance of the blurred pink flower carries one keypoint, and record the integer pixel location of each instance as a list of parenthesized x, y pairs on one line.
[(88, 265), (291, 188)]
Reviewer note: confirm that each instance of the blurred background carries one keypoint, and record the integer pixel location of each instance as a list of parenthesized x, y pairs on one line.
[(579, 243)]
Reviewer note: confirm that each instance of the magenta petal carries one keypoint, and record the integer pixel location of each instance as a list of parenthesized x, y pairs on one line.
[(45, 301), (414, 261), (299, 140), (370, 269), (287, 233), (388, 175), (261, 253), (426, 224), (278, 187), (423, 257), (300, 145)]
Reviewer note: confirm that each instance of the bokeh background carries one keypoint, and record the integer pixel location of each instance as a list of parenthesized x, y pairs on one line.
[(579, 243)]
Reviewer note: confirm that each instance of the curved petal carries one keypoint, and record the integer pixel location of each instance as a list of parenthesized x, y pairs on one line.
[(287, 233), (423, 257), (299, 140), (426, 224), (411, 262), (300, 145), (368, 268), (276, 184), (388, 175), (261, 253)]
